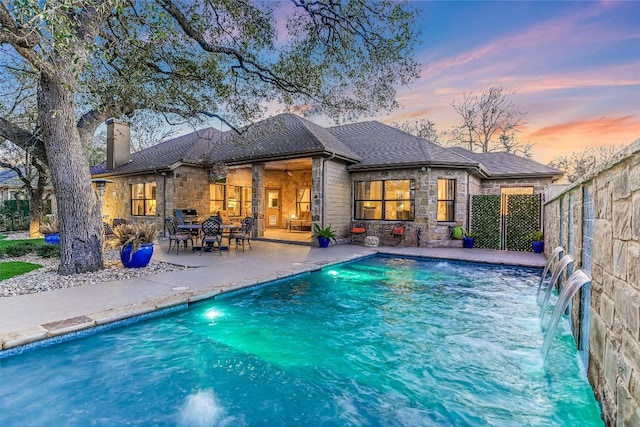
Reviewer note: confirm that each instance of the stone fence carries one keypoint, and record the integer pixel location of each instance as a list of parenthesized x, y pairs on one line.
[(597, 221)]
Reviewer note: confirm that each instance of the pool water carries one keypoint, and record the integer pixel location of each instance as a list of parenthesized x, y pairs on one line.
[(380, 342)]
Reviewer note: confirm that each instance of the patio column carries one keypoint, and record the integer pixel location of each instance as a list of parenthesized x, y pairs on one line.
[(257, 202)]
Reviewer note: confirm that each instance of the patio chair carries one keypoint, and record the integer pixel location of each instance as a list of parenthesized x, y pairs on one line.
[(243, 234), (398, 233), (211, 235), (177, 236), (358, 230)]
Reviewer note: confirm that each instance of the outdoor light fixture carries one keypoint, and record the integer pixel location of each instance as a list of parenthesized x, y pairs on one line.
[(100, 184)]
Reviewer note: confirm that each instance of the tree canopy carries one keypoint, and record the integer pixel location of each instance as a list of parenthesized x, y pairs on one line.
[(95, 59)]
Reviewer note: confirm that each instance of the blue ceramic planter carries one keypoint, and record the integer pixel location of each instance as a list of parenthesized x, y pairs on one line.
[(537, 246), (324, 242), (52, 239), (467, 242), (140, 258)]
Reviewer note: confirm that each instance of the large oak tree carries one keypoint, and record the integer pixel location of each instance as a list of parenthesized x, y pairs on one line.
[(97, 59)]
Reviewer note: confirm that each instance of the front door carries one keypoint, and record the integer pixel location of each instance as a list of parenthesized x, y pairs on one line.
[(273, 217)]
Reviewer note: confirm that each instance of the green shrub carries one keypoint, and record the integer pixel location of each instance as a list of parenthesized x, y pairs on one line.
[(20, 248), (48, 251)]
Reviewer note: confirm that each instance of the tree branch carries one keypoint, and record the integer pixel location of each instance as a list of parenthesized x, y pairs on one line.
[(23, 139)]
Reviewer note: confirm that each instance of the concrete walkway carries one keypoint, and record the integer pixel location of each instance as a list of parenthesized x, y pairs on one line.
[(28, 318)]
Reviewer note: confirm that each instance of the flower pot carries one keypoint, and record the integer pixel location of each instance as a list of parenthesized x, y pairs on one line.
[(139, 259), (52, 239), (467, 242), (537, 246), (324, 242)]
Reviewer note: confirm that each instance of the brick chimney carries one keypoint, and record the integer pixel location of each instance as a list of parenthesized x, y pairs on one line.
[(118, 144)]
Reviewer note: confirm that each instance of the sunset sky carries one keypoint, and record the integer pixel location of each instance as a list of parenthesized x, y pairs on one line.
[(575, 68)]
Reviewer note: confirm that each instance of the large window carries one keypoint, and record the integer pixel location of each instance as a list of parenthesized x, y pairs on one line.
[(446, 200), (143, 199), (235, 199), (391, 200)]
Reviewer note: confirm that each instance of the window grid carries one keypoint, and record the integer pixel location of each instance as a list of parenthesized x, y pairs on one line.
[(446, 200), (143, 199), (385, 200)]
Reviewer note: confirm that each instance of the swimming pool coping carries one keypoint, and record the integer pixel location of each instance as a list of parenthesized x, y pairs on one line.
[(13, 343)]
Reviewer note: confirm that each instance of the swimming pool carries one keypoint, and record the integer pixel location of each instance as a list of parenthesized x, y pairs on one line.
[(383, 341)]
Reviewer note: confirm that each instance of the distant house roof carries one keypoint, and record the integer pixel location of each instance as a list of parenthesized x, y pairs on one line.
[(367, 145), (507, 165), (382, 147)]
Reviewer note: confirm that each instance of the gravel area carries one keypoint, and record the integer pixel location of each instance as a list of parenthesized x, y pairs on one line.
[(47, 279)]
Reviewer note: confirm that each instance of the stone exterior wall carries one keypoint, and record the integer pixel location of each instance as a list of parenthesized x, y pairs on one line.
[(597, 221), (493, 186)]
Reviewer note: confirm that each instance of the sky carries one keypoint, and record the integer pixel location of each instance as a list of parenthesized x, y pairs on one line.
[(574, 67)]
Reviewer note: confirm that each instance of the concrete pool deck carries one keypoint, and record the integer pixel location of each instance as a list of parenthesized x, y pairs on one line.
[(29, 318)]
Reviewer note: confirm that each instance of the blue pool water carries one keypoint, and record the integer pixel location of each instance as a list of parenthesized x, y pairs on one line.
[(380, 342)]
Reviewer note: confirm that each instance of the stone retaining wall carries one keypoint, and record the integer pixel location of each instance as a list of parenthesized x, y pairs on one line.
[(597, 221)]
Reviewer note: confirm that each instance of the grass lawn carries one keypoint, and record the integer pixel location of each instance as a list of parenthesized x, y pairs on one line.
[(10, 269)]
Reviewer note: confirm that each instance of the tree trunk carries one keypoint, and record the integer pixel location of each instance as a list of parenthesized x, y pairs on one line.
[(79, 211)]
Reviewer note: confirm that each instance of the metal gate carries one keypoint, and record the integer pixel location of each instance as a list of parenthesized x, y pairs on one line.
[(505, 222)]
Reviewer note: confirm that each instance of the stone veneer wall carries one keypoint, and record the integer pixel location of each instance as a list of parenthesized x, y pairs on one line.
[(606, 205), (494, 186)]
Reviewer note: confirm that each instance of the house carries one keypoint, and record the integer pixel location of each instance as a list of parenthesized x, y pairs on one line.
[(282, 167)]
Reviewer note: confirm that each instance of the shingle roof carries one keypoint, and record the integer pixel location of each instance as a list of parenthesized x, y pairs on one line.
[(187, 148), (285, 135), (499, 165), (366, 145), (380, 145)]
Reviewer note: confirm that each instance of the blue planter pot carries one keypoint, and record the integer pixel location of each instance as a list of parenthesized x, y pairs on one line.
[(140, 258), (324, 242), (537, 246), (467, 242), (52, 239)]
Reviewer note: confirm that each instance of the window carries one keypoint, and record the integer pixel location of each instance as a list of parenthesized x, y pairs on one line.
[(446, 200), (247, 201), (384, 200), (234, 200), (216, 198), (143, 199), (303, 200)]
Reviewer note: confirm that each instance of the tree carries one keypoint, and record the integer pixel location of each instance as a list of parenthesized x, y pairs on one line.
[(490, 122), (97, 59), (34, 177), (422, 128), (17, 97), (582, 162)]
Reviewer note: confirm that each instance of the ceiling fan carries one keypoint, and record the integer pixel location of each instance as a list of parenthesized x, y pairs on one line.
[(286, 171)]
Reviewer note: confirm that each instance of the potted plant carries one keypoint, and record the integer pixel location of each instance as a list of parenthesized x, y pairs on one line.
[(468, 240), (50, 231), (324, 235), (136, 243), (537, 242)]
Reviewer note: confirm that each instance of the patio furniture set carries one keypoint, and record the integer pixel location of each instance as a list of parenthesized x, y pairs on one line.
[(211, 232)]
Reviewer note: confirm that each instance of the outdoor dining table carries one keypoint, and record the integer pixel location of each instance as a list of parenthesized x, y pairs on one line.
[(191, 228)]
